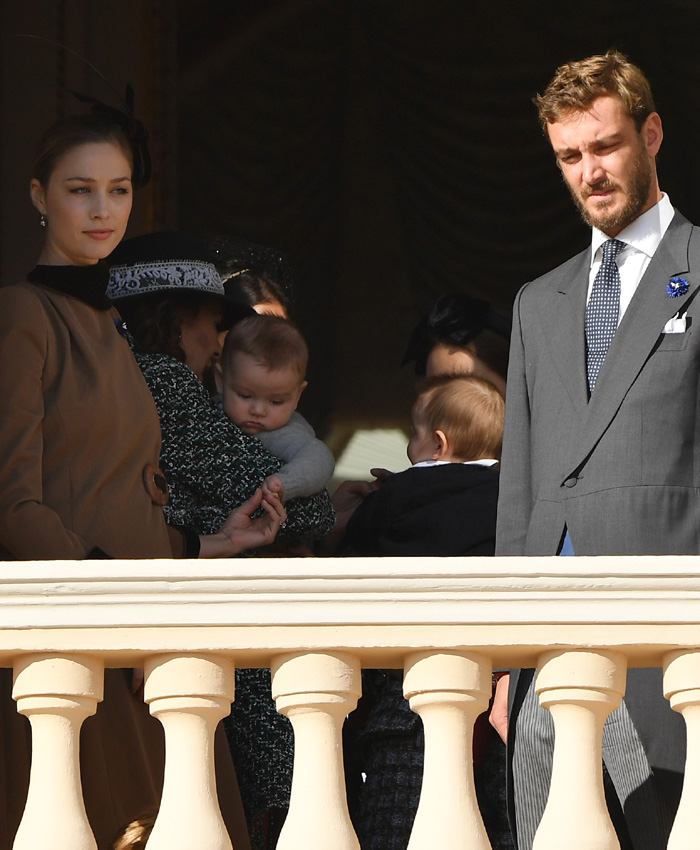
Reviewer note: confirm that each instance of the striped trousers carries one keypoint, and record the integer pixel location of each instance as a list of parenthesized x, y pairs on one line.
[(644, 821)]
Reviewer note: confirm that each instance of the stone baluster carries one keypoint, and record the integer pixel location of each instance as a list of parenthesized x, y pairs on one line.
[(580, 688), (449, 691), (189, 694), (56, 693), (316, 691), (682, 689)]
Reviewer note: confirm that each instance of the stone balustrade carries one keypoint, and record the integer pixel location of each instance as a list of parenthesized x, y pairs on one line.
[(316, 623)]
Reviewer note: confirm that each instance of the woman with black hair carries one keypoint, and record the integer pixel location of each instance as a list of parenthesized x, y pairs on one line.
[(172, 299), (256, 274), (461, 335)]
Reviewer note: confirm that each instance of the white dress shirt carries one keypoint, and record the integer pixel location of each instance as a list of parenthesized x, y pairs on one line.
[(642, 238)]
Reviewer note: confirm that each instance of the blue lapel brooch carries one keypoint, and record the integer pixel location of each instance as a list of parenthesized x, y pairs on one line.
[(676, 286)]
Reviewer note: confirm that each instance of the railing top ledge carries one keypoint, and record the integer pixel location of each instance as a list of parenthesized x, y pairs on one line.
[(258, 605), (350, 590), (656, 567)]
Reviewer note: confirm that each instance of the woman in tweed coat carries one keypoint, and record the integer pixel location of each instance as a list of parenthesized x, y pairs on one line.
[(172, 299)]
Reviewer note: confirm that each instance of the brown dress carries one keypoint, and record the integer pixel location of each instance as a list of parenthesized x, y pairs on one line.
[(78, 427)]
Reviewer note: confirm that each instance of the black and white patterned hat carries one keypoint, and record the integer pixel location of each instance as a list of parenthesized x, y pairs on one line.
[(164, 262)]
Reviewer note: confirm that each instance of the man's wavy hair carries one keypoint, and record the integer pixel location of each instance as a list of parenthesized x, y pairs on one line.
[(576, 85)]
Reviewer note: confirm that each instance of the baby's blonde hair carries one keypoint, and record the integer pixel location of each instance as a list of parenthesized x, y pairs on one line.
[(468, 410)]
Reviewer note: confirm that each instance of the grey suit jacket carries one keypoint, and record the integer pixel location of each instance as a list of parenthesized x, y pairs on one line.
[(621, 471)]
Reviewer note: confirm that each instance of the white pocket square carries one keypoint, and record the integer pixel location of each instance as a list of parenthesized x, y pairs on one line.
[(676, 325)]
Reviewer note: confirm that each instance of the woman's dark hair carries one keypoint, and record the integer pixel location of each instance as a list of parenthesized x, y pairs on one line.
[(254, 288), (254, 273), (76, 130), (465, 322), (492, 349), (155, 321)]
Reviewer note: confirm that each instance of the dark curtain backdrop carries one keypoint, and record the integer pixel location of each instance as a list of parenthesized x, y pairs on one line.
[(50, 48), (391, 149)]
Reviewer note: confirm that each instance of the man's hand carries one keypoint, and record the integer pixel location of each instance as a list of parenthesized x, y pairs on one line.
[(498, 717), (137, 678)]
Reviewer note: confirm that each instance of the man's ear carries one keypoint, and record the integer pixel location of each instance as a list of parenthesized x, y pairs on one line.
[(36, 193), (302, 387), (652, 133), (441, 445)]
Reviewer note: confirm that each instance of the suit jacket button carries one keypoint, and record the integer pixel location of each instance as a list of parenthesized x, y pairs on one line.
[(571, 482)]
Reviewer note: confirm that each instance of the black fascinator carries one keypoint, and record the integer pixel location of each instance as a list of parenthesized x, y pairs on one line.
[(135, 132), (255, 272), (456, 318), (121, 117)]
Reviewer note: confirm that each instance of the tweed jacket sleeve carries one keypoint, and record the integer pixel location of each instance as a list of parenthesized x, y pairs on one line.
[(211, 465)]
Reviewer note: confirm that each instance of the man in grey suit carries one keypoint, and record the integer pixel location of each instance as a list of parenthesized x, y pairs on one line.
[(602, 438)]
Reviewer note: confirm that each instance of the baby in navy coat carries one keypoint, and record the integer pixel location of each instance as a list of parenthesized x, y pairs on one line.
[(445, 504)]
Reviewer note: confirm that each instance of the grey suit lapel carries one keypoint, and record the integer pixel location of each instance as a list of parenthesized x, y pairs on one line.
[(565, 329), (639, 332)]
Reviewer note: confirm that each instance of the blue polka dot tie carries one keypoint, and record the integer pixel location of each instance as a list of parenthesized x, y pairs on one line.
[(603, 309)]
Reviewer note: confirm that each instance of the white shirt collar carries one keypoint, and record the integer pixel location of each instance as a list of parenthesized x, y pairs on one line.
[(486, 461), (644, 234)]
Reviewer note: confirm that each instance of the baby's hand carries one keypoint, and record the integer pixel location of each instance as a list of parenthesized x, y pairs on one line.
[(273, 486)]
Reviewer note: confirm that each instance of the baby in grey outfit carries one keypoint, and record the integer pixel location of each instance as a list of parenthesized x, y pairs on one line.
[(263, 376)]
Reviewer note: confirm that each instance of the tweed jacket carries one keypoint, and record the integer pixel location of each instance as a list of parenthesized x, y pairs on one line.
[(211, 465)]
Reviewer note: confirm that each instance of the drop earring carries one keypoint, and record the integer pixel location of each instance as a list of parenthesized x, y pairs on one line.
[(42, 220)]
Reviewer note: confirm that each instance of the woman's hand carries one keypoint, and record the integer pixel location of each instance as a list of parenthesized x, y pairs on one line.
[(241, 532), (348, 496), (380, 474)]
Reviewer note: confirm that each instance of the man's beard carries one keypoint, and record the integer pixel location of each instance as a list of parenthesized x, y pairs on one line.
[(638, 191)]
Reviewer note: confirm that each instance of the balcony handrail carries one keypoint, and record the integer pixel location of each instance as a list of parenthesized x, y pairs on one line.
[(316, 622), (542, 602)]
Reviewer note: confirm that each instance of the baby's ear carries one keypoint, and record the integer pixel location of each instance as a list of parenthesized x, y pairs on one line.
[(302, 387), (441, 445)]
